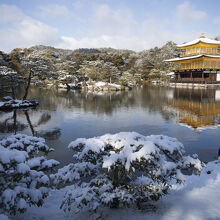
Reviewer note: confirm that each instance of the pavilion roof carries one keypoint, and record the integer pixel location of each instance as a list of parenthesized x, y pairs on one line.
[(191, 57), (198, 40)]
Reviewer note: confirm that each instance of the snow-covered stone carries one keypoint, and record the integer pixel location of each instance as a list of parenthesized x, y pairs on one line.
[(103, 86)]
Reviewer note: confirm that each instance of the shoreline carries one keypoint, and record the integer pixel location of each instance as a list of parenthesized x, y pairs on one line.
[(192, 85)]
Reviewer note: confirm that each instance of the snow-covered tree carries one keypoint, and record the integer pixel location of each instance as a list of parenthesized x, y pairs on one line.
[(24, 179), (122, 169)]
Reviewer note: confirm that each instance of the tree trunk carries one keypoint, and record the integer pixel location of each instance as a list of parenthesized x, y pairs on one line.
[(115, 203), (29, 122), (12, 87), (13, 92), (28, 85), (115, 177), (15, 121)]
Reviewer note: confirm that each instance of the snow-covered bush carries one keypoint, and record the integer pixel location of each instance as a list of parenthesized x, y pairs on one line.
[(122, 169), (23, 178)]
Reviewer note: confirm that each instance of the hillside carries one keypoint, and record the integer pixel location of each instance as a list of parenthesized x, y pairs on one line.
[(53, 66)]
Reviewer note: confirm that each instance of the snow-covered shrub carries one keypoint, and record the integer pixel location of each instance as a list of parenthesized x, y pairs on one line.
[(122, 169), (23, 178)]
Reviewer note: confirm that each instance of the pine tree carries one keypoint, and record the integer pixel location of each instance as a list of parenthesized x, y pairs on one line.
[(23, 173), (122, 170)]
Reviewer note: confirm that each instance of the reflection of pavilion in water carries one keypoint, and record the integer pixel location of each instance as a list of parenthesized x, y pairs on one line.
[(198, 109)]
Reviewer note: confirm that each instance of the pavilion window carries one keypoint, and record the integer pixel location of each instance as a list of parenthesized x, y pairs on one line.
[(213, 50), (197, 75), (212, 64), (185, 75), (202, 49), (206, 75)]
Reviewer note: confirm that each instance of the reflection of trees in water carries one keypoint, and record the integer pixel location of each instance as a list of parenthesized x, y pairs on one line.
[(29, 122), (154, 99), (97, 103), (101, 103), (105, 104), (11, 124), (150, 98), (50, 134), (45, 117)]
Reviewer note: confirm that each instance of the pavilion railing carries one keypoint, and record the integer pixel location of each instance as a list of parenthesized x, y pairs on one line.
[(200, 50), (197, 65), (196, 81)]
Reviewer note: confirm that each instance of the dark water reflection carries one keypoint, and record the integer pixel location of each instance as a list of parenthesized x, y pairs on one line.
[(192, 116)]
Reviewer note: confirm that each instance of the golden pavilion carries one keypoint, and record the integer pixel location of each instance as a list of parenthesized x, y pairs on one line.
[(199, 61)]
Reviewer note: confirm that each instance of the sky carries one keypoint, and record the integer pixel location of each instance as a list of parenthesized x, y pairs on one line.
[(120, 24)]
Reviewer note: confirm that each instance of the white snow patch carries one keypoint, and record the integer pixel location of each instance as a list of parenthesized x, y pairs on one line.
[(198, 199), (202, 39)]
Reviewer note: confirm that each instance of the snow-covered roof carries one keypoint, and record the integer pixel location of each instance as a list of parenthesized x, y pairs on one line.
[(192, 57), (201, 39)]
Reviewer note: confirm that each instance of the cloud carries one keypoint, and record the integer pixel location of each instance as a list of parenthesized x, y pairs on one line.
[(10, 14), (186, 13), (113, 22), (105, 27), (79, 4), (217, 20), (53, 10), (34, 32), (118, 42), (157, 33), (23, 31)]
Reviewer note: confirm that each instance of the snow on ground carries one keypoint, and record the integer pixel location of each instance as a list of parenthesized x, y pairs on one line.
[(198, 199), (3, 217), (101, 84)]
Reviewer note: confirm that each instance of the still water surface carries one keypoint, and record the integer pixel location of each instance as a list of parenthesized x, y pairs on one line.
[(190, 115)]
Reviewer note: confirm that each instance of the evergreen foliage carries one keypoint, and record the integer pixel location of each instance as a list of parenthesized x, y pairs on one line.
[(23, 172), (122, 170)]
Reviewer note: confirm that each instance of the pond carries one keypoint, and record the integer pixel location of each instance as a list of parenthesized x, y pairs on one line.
[(190, 115)]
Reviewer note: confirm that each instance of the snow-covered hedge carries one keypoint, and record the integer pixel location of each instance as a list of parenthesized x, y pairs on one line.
[(23, 178), (122, 169)]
